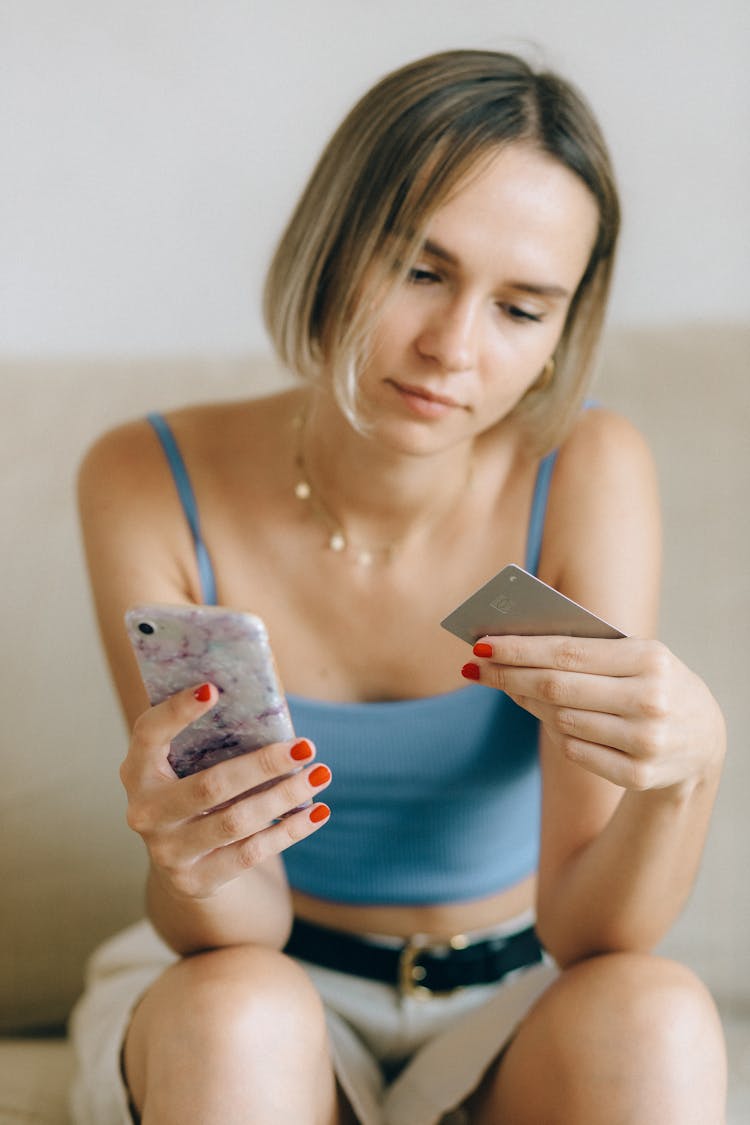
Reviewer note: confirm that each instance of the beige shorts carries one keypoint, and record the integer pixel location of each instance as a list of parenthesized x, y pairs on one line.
[(439, 1047)]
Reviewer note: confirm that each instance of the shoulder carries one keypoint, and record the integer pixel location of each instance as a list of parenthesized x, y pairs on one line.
[(124, 471), (128, 517), (605, 437), (604, 461), (131, 453), (128, 502), (119, 471), (121, 448), (602, 541)]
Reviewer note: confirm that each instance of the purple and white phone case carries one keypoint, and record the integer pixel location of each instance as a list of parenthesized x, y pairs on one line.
[(179, 646)]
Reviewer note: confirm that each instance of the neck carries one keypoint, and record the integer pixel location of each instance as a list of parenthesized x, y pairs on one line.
[(379, 497)]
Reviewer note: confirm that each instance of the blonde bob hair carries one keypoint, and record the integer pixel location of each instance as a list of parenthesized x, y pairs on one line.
[(359, 226)]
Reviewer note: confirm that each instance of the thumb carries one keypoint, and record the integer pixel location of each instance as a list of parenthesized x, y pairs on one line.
[(155, 729)]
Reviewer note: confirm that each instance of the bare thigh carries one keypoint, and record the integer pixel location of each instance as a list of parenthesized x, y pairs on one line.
[(624, 1038), (237, 1035)]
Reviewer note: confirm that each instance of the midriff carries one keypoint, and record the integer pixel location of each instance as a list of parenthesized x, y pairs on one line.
[(438, 921)]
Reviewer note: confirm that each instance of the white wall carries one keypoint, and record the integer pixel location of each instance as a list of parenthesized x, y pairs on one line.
[(151, 150)]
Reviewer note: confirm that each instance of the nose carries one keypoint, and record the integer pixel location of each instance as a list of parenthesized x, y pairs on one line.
[(451, 335)]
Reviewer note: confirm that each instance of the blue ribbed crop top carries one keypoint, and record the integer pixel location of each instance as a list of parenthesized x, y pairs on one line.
[(434, 799)]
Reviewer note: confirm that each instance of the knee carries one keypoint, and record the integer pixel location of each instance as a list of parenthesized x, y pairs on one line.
[(661, 1014), (243, 990), (620, 1036)]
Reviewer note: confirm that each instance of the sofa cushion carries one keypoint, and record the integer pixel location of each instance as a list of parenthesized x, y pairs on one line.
[(34, 1080)]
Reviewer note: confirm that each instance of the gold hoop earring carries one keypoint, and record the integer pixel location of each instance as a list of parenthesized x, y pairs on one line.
[(547, 375)]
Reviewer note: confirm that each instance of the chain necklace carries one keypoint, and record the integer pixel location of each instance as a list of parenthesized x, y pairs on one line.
[(338, 539)]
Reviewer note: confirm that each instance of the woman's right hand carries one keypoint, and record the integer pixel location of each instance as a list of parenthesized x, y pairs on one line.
[(205, 830)]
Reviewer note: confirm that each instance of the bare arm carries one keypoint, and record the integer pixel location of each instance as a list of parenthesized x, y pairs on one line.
[(632, 741), (618, 866), (216, 877)]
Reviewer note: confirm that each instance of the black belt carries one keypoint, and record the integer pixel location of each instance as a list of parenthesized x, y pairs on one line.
[(418, 967)]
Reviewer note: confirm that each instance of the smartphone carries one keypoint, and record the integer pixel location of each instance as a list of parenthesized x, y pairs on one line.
[(517, 603), (177, 646)]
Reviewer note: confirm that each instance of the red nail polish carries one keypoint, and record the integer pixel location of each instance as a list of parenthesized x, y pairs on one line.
[(302, 750), (203, 693), (481, 648), (319, 812), (319, 776), (470, 672)]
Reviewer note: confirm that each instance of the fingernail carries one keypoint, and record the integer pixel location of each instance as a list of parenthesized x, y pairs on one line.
[(302, 750), (319, 812), (470, 671), (203, 693), (319, 776), (481, 648)]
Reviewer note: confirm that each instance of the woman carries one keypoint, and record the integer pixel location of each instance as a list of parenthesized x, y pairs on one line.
[(441, 286)]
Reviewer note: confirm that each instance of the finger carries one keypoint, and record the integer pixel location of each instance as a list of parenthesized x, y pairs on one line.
[(616, 766), (643, 741), (226, 863), (622, 656), (182, 844), (224, 782), (581, 690), (255, 811), (154, 730)]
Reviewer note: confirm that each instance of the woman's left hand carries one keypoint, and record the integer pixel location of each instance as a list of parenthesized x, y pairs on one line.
[(626, 709)]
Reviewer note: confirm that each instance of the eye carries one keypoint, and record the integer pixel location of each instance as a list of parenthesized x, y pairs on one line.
[(517, 313), (419, 275)]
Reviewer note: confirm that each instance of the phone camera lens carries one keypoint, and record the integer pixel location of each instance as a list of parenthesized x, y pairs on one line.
[(146, 627)]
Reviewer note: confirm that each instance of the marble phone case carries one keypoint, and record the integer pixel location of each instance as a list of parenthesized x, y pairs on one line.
[(179, 646)]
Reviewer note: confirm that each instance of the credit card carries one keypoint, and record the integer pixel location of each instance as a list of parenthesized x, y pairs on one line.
[(516, 603)]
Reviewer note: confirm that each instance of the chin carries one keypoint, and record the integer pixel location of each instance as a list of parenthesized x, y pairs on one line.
[(412, 438)]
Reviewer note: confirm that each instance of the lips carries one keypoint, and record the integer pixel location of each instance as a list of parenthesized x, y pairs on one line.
[(426, 395)]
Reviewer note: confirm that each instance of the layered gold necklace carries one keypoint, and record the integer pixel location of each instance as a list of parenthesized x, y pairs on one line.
[(337, 538)]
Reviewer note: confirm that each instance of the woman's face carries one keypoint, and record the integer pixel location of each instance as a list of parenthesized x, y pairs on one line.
[(464, 337)]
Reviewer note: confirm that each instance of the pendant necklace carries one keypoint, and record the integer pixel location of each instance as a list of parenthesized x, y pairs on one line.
[(338, 539)]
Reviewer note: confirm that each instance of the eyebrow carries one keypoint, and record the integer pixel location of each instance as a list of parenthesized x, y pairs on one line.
[(538, 289)]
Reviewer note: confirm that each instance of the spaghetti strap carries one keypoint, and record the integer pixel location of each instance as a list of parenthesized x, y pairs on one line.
[(189, 505), (205, 567), (539, 511), (539, 502)]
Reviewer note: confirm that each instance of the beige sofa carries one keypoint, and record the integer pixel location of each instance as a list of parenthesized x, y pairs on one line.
[(72, 871)]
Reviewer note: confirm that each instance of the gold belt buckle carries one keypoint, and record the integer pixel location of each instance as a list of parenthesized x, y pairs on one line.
[(410, 973)]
